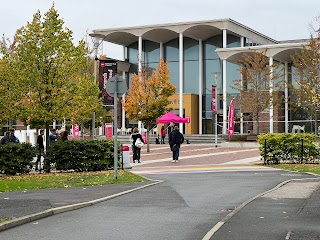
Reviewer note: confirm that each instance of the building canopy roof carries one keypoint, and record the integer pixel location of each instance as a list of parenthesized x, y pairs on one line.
[(200, 30)]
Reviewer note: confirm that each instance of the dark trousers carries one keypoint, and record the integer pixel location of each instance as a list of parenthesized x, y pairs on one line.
[(175, 152), (162, 139), (136, 153), (38, 163)]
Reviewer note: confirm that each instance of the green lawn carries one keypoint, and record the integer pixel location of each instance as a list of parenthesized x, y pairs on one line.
[(65, 180), (310, 168)]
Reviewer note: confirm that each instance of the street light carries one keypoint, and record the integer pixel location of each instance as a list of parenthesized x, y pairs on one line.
[(214, 106), (96, 44)]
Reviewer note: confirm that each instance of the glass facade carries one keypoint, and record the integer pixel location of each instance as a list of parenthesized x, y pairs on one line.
[(212, 69)]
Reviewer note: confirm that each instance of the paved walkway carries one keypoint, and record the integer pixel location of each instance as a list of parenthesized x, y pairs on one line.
[(290, 210)]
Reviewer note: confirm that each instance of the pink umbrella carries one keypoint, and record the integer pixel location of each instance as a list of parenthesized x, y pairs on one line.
[(168, 117)]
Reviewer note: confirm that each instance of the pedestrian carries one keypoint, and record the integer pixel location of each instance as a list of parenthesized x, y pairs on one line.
[(40, 149), (53, 135), (63, 136), (13, 138), (170, 130), (6, 138), (163, 134), (136, 145), (175, 140)]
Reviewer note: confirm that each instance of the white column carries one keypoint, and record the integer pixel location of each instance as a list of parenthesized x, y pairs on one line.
[(123, 118), (241, 114), (241, 77), (241, 41), (140, 54), (286, 95), (181, 79), (139, 67), (224, 85), (200, 83), (161, 50), (271, 92)]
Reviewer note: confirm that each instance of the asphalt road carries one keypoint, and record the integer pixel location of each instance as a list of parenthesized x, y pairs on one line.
[(185, 206)]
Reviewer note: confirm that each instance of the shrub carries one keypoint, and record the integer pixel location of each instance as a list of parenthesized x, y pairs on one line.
[(16, 158), (91, 155), (277, 147)]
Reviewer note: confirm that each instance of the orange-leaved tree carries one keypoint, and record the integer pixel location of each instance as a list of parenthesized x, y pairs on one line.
[(147, 98)]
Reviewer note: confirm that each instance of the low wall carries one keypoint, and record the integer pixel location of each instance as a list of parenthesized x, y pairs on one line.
[(240, 145)]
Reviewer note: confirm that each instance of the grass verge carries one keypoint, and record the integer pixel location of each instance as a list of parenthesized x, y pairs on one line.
[(65, 180), (310, 168)]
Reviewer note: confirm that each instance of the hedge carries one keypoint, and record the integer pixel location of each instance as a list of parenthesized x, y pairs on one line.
[(83, 155), (16, 158), (288, 147)]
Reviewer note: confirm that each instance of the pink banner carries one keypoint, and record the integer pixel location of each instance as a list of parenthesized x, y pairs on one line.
[(214, 98), (108, 130), (75, 132), (231, 118)]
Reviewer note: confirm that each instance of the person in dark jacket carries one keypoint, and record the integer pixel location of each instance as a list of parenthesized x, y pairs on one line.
[(13, 137), (136, 150), (6, 138), (175, 140), (170, 130), (40, 148)]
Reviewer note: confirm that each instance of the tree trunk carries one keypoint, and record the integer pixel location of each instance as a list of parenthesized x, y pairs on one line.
[(316, 123), (148, 130), (47, 136)]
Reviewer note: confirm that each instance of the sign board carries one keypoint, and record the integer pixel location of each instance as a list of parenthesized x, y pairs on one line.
[(107, 69), (116, 82)]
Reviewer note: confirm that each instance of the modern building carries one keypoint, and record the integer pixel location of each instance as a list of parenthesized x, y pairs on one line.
[(201, 54)]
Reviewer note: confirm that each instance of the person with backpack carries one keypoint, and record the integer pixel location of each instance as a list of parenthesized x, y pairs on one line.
[(137, 143), (175, 140)]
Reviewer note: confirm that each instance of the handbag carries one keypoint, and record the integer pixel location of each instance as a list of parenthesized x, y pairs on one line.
[(139, 143)]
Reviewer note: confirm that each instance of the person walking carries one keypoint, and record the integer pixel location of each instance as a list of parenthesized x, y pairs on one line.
[(163, 134), (41, 149), (136, 145), (175, 140)]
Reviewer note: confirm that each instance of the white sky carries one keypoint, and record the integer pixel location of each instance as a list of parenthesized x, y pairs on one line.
[(278, 19)]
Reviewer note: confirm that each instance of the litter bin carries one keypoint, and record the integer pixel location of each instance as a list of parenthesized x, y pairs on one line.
[(126, 157)]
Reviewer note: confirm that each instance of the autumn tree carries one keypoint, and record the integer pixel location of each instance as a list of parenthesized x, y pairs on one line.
[(307, 78), (254, 87), (8, 101), (147, 98), (51, 73)]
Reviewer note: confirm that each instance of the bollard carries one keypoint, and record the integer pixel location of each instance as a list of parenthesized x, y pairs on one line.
[(265, 152), (302, 150), (126, 157)]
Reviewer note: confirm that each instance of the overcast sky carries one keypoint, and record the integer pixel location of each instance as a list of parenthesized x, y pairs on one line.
[(278, 19)]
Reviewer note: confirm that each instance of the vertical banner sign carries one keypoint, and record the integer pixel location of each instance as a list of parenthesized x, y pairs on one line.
[(214, 98), (108, 128), (231, 118), (107, 70), (75, 132)]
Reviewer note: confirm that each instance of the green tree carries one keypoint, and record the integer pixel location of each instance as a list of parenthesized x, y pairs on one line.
[(51, 72), (147, 98), (8, 101), (254, 87)]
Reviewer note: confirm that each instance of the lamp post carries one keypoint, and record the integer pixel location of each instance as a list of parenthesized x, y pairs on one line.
[(96, 44), (214, 107)]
